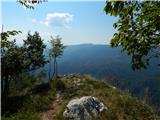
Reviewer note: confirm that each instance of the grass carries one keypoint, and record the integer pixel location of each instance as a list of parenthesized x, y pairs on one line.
[(121, 106)]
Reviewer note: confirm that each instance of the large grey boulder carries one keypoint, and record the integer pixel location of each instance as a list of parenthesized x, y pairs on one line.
[(84, 108)]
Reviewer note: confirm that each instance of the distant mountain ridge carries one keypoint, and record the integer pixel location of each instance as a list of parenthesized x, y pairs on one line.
[(102, 58)]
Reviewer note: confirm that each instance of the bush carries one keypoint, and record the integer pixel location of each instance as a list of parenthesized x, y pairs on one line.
[(37, 103), (57, 85), (22, 116), (60, 85), (24, 81)]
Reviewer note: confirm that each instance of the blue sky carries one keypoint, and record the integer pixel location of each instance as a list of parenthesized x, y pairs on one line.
[(76, 22)]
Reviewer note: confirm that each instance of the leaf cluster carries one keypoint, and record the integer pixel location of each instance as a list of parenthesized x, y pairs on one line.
[(17, 59), (29, 3), (138, 29), (33, 51), (57, 47)]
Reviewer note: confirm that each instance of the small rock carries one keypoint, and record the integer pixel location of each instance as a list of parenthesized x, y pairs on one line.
[(114, 87), (84, 108), (78, 82), (58, 94)]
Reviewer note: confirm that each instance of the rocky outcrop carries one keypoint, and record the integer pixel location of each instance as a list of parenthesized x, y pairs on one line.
[(84, 108)]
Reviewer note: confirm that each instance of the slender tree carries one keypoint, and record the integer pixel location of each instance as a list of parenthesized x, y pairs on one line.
[(55, 52)]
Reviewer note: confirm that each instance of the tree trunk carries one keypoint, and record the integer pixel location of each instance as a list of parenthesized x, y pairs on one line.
[(54, 67), (2, 86), (50, 65), (6, 85)]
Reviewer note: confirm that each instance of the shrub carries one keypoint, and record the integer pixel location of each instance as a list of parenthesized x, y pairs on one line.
[(24, 81), (37, 103), (57, 85), (23, 115), (60, 85)]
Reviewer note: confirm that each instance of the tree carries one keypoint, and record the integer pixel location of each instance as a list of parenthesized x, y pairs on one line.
[(55, 52), (17, 60), (41, 76), (33, 51), (138, 29), (11, 57)]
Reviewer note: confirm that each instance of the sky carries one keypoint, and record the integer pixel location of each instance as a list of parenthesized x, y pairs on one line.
[(76, 22)]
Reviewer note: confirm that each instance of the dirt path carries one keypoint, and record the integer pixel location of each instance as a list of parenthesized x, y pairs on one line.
[(54, 109)]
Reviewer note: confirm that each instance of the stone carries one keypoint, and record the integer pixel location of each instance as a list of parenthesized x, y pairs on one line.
[(78, 82), (84, 108), (114, 87)]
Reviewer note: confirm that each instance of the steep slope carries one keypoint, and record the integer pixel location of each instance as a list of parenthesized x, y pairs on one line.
[(44, 105)]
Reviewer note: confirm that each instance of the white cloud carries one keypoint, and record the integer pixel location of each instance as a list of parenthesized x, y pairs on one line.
[(34, 20), (58, 19)]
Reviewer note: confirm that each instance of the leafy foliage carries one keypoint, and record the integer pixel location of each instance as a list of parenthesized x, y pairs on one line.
[(33, 51), (22, 83), (41, 76), (4, 38), (29, 3), (16, 60), (55, 52), (57, 47), (10, 59), (138, 29)]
